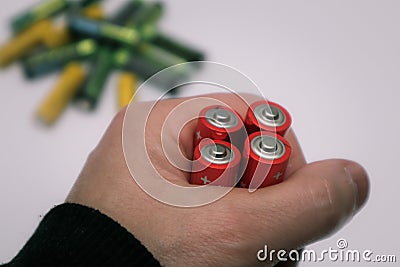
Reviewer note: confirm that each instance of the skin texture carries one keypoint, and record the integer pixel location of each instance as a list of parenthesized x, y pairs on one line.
[(312, 202)]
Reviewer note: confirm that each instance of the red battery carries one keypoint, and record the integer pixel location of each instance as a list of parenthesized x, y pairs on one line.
[(220, 123), (267, 116), (215, 162), (267, 156)]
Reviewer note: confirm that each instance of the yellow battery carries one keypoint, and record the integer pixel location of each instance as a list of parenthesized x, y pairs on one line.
[(58, 36), (126, 88), (68, 84), (94, 11), (21, 44)]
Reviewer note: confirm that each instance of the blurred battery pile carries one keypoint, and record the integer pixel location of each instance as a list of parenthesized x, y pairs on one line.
[(78, 39)]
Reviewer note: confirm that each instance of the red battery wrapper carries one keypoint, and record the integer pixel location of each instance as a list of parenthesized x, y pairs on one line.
[(215, 163), (267, 156)]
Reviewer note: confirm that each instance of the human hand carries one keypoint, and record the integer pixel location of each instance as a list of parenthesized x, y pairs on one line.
[(313, 201)]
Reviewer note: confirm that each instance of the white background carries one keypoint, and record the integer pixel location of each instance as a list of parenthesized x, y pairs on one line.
[(333, 64)]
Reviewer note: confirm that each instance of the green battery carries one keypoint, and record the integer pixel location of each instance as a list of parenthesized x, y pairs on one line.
[(157, 56), (121, 58), (126, 12), (146, 19), (82, 3), (147, 61), (90, 93), (130, 62), (148, 14), (45, 10), (104, 31), (178, 48), (52, 60)]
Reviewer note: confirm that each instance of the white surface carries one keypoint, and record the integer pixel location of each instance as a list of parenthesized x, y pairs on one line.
[(333, 64)]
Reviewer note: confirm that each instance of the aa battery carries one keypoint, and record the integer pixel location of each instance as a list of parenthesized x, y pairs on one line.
[(68, 84), (157, 57), (267, 156), (215, 163), (90, 93), (94, 11), (148, 14), (21, 44), (220, 123), (267, 116), (178, 48), (147, 60), (128, 10), (85, 3), (107, 31), (52, 60), (61, 35), (58, 36), (126, 88), (42, 11)]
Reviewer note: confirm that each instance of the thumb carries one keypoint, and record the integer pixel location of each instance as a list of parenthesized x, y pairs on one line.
[(314, 202)]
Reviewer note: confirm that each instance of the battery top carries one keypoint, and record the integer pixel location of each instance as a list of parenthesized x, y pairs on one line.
[(268, 147), (222, 118), (217, 154), (269, 115)]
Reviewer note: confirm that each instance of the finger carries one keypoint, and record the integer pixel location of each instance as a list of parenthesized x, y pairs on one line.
[(314, 202)]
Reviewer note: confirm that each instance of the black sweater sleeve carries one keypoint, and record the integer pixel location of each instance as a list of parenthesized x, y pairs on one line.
[(75, 235)]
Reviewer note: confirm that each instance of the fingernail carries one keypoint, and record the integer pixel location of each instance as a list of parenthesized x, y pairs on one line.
[(360, 178)]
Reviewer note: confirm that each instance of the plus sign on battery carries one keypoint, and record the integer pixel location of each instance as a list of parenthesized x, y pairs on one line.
[(205, 180), (198, 136), (276, 176)]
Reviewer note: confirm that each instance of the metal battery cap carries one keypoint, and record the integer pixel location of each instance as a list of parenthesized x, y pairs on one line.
[(269, 115), (217, 153), (221, 118), (268, 147)]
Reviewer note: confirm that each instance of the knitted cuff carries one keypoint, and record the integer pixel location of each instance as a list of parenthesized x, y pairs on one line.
[(76, 235)]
